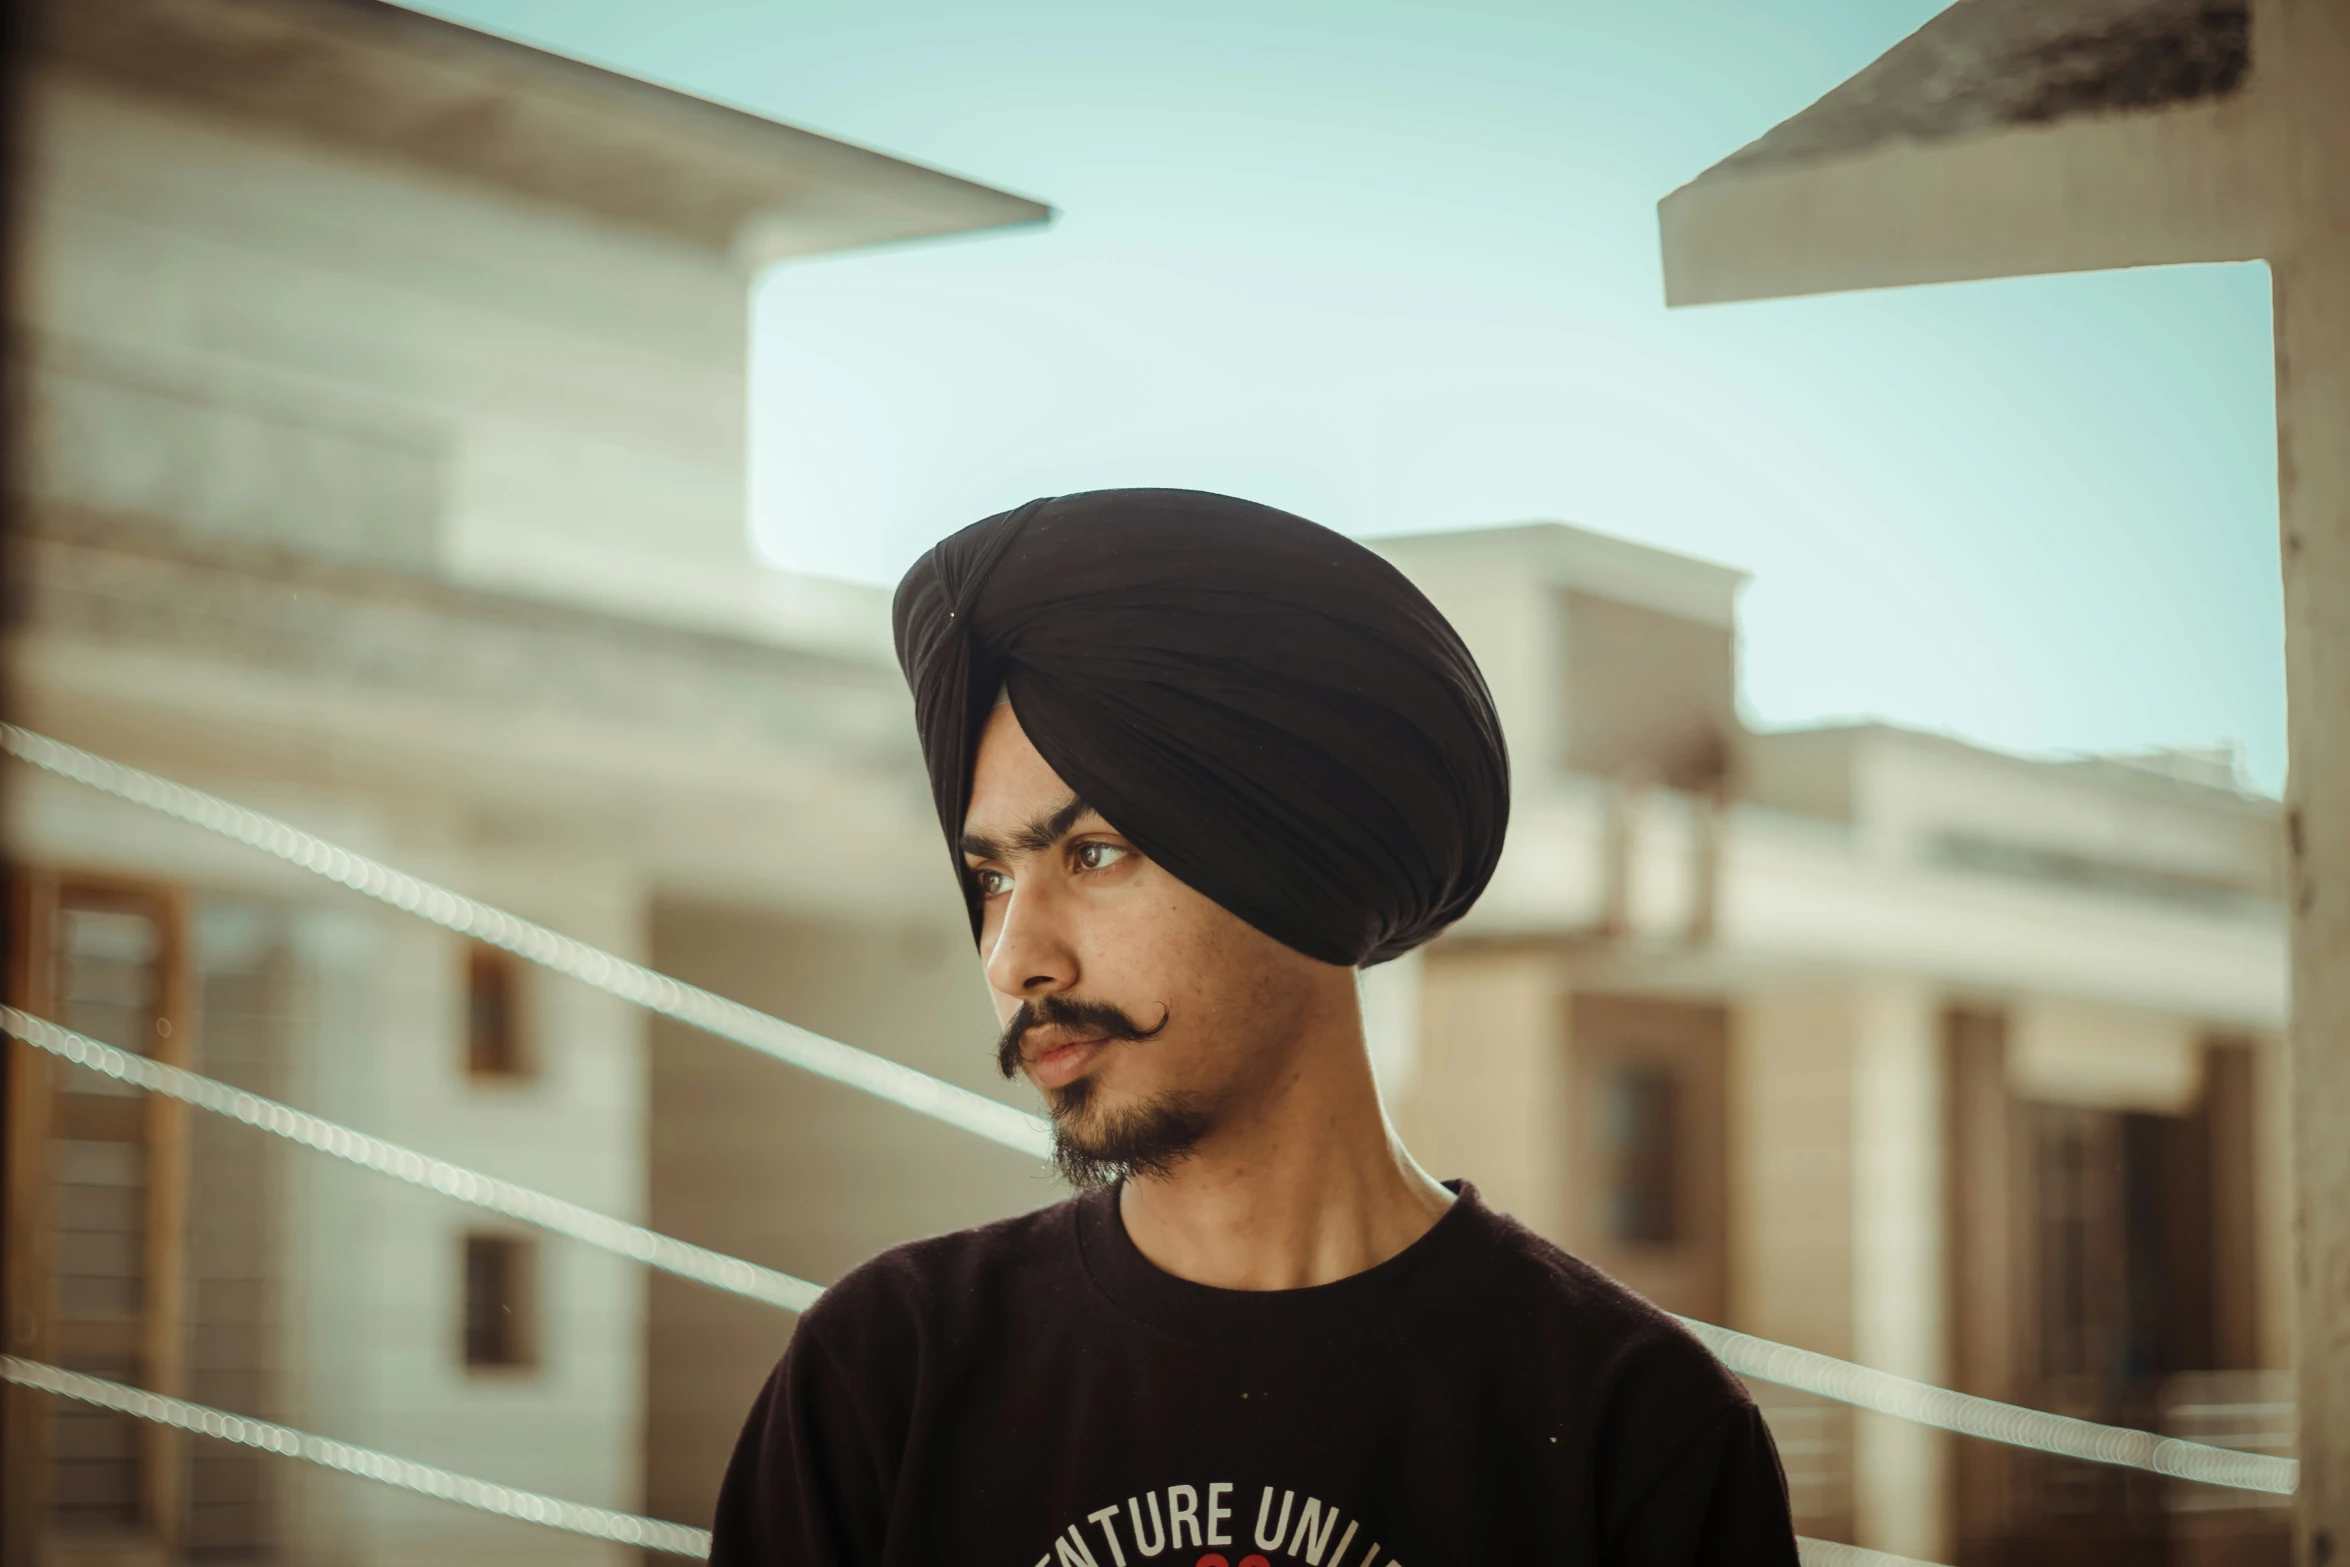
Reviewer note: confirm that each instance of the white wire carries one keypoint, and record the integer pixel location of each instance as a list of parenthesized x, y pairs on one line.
[(650, 1247), (720, 1272), (1828, 1553), (614, 975), (1806, 1371), (1866, 1388), (553, 1512), (1803, 1370), (529, 1506)]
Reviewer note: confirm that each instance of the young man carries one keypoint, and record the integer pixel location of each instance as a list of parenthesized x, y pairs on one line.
[(1199, 761)]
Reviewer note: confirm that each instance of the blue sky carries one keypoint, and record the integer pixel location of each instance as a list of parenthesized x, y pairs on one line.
[(1394, 266)]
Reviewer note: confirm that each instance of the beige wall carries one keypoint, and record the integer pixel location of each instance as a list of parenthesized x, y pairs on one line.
[(376, 1348), (1677, 722), (247, 334), (1837, 1215), (759, 1160), (1790, 1220), (1489, 1100), (1904, 793), (1508, 590), (1790, 1092)]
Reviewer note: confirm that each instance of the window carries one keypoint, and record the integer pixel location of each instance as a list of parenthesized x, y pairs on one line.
[(1648, 1198), (497, 1327), (493, 1014), (1642, 1126)]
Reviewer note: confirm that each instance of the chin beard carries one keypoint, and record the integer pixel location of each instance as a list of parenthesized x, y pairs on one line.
[(1107, 1146)]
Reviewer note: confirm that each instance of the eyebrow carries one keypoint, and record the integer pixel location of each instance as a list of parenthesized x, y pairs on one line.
[(1038, 836)]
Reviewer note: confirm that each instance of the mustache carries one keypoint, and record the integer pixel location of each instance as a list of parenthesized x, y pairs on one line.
[(1096, 1018)]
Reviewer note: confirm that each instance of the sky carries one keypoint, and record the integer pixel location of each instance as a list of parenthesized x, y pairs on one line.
[(1394, 267)]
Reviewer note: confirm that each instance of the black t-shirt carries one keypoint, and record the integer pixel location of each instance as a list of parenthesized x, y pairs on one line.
[(1036, 1393)]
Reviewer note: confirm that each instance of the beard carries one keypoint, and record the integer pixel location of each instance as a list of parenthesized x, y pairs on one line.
[(1095, 1145), (1112, 1144)]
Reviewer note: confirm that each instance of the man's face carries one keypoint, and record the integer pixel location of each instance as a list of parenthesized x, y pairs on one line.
[(1147, 1015)]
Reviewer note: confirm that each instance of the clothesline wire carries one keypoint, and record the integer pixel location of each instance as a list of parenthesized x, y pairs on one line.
[(507, 1501), (1782, 1364), (2012, 1425), (1804, 1370), (552, 1512), (608, 972), (491, 1193)]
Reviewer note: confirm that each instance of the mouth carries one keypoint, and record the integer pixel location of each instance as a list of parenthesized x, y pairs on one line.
[(1057, 1065)]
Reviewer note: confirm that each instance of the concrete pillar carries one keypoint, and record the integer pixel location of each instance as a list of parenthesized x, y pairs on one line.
[(1791, 1197), (1837, 1220), (1490, 1100), (1790, 1221), (2303, 47), (1901, 1490)]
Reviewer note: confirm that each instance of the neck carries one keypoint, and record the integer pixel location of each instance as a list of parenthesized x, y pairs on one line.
[(1310, 1186)]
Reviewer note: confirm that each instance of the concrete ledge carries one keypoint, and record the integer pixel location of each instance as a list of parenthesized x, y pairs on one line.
[(2170, 186), (382, 78)]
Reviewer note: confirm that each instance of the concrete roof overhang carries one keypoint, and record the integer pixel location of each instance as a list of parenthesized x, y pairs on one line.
[(2004, 137), (382, 79)]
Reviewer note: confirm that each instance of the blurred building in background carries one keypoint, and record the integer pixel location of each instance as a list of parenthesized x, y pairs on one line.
[(1960, 1065), (386, 398)]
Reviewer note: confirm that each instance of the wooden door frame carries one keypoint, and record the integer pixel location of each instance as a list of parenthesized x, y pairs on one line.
[(34, 1331), (32, 1265)]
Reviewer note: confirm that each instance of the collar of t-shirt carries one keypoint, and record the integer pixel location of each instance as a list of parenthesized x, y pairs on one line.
[(1378, 1300)]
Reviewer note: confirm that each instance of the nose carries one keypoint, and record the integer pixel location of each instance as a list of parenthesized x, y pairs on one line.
[(1031, 954)]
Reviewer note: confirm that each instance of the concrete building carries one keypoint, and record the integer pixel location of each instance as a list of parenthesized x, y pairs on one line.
[(1960, 1065), (385, 398), (2011, 137)]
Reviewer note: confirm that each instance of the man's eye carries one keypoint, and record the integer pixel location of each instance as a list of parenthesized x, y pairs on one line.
[(991, 884), (1098, 856)]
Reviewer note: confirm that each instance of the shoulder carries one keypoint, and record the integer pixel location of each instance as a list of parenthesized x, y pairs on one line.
[(1586, 1329), (914, 1291)]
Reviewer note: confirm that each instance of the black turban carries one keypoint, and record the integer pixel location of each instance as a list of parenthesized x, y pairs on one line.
[(1265, 707)]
